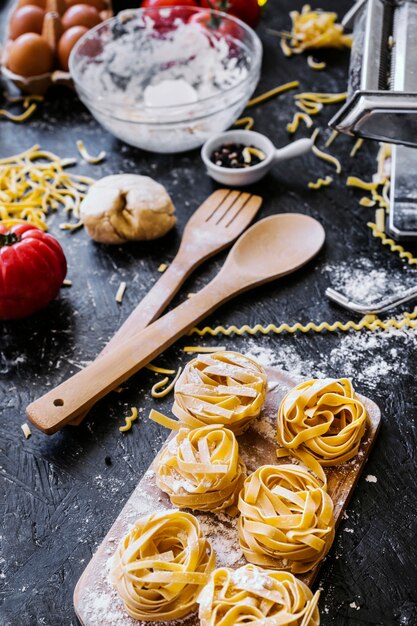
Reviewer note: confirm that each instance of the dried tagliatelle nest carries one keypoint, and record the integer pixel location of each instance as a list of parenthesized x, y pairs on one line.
[(161, 566), (286, 518), (253, 595), (200, 469), (223, 388), (322, 419), (127, 207)]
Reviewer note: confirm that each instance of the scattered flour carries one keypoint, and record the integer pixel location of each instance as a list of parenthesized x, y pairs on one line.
[(367, 357), (371, 479), (355, 606), (363, 283)]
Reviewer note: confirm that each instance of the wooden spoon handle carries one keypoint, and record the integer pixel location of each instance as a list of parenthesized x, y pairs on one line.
[(64, 403), (155, 301), (152, 305)]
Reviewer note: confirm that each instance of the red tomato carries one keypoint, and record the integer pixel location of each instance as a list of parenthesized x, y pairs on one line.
[(215, 25), (32, 268), (168, 3), (248, 11)]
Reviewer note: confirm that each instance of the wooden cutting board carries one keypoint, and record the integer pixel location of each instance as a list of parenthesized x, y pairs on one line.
[(96, 602)]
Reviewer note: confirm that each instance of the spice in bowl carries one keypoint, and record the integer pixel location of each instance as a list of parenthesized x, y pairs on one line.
[(237, 156)]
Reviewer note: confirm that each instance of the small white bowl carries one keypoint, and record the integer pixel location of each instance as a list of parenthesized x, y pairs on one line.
[(240, 177)]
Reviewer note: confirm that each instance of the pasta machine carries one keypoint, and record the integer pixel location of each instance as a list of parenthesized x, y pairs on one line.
[(382, 96)]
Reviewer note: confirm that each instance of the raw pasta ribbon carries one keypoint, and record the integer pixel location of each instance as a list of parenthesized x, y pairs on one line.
[(323, 418), (223, 388), (252, 595), (161, 565), (286, 518), (200, 469)]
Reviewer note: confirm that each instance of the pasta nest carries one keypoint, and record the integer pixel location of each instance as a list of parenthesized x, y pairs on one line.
[(285, 516), (252, 595), (201, 469), (323, 417), (161, 565), (223, 388)]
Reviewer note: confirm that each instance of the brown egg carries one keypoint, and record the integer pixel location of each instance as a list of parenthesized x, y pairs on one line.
[(80, 15), (67, 42), (28, 19), (100, 5), (30, 55), (37, 3)]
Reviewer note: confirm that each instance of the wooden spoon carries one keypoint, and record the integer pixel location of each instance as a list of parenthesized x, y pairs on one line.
[(212, 228), (271, 248)]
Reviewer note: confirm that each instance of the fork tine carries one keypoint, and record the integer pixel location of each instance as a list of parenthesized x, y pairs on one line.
[(222, 208), (233, 209), (211, 204), (245, 215)]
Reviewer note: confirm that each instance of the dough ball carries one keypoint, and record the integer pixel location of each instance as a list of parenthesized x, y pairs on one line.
[(127, 207)]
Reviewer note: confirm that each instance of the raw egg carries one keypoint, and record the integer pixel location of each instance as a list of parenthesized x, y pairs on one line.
[(80, 15), (100, 5), (27, 19), (67, 42), (30, 55)]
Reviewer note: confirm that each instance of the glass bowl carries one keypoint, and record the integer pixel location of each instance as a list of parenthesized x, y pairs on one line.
[(167, 79)]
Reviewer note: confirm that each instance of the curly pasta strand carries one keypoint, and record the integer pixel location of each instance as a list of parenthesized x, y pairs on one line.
[(369, 322), (394, 247), (129, 420), (247, 122)]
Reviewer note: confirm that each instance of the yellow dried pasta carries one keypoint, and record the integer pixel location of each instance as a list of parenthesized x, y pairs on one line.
[(161, 565), (33, 183), (312, 29), (292, 126), (320, 182), (200, 469), (286, 518), (368, 322), (222, 388), (393, 245), (273, 92), (324, 419), (252, 595)]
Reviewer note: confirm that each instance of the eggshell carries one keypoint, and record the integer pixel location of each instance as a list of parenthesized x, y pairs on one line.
[(37, 3), (67, 42), (100, 5), (30, 55), (27, 19), (80, 15)]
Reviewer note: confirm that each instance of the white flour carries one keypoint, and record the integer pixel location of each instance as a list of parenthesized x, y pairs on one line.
[(361, 281)]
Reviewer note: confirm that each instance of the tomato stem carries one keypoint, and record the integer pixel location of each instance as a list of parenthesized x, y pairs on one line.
[(215, 20), (9, 239)]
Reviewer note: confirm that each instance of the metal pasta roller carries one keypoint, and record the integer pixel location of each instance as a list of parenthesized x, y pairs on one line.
[(382, 101)]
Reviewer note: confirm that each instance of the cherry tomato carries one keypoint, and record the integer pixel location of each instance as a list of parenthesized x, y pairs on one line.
[(32, 268)]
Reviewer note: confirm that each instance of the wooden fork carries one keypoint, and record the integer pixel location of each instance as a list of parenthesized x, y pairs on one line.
[(212, 227)]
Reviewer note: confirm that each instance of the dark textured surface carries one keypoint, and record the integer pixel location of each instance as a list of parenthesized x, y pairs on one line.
[(59, 495)]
